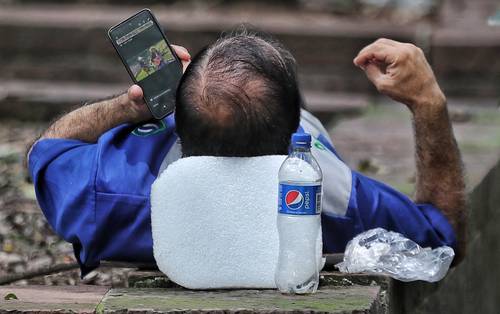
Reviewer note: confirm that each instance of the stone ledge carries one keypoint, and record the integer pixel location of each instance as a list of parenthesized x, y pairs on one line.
[(51, 299), (461, 52), (42, 100), (156, 279), (354, 299), (152, 292), (95, 299)]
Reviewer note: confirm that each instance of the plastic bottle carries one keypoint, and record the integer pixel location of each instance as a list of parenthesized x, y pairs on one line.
[(299, 219)]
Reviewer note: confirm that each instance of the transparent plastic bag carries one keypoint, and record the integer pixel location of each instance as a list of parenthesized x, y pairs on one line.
[(386, 252)]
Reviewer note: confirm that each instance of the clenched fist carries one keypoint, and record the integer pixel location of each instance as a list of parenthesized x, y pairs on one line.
[(400, 71)]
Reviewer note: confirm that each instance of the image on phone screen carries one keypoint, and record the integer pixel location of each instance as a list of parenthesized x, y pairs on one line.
[(149, 60)]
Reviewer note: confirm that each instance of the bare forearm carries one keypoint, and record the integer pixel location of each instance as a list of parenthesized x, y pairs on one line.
[(440, 178), (89, 122), (401, 71)]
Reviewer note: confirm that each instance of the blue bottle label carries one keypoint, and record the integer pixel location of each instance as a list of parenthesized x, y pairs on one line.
[(299, 200)]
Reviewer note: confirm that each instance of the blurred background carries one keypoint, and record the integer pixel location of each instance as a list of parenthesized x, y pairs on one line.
[(55, 55)]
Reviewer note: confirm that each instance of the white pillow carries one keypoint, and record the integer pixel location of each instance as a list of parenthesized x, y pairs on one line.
[(214, 221)]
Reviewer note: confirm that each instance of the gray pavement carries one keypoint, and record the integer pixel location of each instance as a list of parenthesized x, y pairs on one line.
[(380, 142)]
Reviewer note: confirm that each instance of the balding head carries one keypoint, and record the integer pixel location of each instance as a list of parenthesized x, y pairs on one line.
[(238, 97)]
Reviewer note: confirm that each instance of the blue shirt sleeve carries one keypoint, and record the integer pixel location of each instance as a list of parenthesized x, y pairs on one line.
[(373, 204), (63, 173), (368, 204), (96, 196)]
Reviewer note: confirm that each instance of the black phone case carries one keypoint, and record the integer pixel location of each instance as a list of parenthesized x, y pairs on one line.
[(178, 61)]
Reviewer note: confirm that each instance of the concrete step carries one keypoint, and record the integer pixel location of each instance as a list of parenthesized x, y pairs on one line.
[(344, 297), (42, 100), (38, 100), (50, 299), (68, 42)]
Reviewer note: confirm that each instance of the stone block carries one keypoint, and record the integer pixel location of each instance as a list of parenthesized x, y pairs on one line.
[(51, 299), (353, 299), (473, 286)]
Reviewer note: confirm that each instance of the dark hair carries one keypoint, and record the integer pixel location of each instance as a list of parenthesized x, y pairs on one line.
[(238, 97)]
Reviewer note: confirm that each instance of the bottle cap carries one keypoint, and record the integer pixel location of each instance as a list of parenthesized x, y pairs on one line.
[(301, 139)]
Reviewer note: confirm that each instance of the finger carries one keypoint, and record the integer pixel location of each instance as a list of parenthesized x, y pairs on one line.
[(379, 52), (135, 93), (374, 73), (375, 46), (382, 81), (373, 51), (387, 41), (380, 44), (185, 65), (181, 52)]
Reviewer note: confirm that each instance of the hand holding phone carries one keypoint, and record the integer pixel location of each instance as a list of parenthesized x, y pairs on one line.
[(136, 96), (149, 60), (183, 55)]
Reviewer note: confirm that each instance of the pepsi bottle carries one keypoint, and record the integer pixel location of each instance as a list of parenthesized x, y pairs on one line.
[(299, 219)]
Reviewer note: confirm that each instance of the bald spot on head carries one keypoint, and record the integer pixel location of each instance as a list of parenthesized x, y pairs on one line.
[(235, 93)]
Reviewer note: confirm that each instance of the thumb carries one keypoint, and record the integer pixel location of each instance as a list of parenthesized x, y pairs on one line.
[(135, 94), (374, 73), (379, 78)]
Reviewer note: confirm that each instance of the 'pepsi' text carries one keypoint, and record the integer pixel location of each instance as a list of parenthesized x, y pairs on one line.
[(299, 200)]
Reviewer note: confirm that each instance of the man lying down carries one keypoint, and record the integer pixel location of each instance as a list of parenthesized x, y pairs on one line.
[(93, 168)]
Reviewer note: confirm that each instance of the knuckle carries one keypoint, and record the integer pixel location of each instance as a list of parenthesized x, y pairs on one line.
[(412, 49), (406, 51), (420, 52), (402, 49)]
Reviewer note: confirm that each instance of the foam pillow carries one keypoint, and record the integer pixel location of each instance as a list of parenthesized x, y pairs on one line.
[(214, 222)]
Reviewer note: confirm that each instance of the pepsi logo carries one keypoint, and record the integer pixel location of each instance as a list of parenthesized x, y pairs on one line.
[(294, 199)]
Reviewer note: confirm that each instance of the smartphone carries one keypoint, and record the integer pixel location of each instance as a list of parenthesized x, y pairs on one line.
[(150, 61)]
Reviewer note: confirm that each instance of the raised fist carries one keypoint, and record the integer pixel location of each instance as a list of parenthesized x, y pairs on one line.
[(400, 71)]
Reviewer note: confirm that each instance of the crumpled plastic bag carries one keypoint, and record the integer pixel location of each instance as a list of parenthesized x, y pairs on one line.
[(385, 252)]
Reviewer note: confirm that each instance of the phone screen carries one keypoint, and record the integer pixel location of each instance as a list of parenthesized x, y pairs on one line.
[(149, 60)]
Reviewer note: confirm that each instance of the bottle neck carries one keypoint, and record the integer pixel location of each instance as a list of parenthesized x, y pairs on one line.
[(301, 152), (301, 149)]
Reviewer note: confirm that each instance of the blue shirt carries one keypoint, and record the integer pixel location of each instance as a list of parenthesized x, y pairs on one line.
[(96, 195)]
